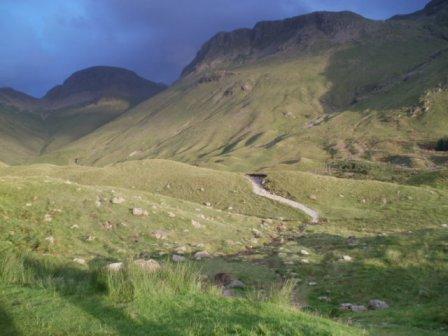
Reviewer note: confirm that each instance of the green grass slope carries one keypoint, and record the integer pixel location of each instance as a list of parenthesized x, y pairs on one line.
[(223, 190), (21, 136), (379, 97), (58, 215)]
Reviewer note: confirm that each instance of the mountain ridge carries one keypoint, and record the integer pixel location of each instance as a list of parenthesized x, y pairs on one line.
[(84, 87), (268, 37)]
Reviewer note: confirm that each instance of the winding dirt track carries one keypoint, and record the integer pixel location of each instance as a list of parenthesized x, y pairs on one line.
[(258, 189)]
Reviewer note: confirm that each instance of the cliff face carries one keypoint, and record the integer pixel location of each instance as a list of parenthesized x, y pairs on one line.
[(289, 35)]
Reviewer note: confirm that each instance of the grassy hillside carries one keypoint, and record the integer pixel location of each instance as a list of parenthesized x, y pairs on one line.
[(225, 191), (395, 237), (21, 136), (381, 98), (48, 224), (58, 215)]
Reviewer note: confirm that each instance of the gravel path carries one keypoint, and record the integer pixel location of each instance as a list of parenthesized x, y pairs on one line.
[(258, 189)]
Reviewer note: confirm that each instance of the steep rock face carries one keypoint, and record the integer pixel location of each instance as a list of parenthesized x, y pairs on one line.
[(16, 99), (290, 35), (89, 85), (433, 8)]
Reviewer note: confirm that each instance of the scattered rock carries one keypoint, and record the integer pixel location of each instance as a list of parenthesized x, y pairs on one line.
[(90, 238), (48, 218), (139, 212), (352, 307), (228, 292), (108, 226), (201, 189), (202, 255), (347, 258), (160, 234), (230, 208), (236, 284), (144, 255), (196, 224), (74, 226), (178, 258), (29, 204), (181, 250), (304, 261), (50, 239), (171, 215), (208, 204), (304, 252), (312, 283), (313, 197), (80, 261), (149, 265), (115, 267), (324, 298), (445, 225), (257, 233), (378, 305), (223, 279), (117, 200), (352, 241)]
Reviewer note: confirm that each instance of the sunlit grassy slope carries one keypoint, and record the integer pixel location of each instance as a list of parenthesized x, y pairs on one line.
[(54, 214), (25, 136), (380, 98)]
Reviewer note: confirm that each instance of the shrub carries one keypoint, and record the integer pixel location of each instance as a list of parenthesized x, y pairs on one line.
[(442, 144)]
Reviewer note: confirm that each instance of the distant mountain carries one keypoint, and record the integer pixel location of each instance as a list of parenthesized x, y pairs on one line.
[(295, 92), (87, 100), (95, 83), (16, 99), (283, 36)]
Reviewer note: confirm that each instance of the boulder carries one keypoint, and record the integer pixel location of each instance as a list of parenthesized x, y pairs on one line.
[(139, 212), (378, 305), (160, 234), (50, 239), (117, 200), (223, 279), (149, 265), (115, 267), (196, 224), (202, 255), (236, 284), (352, 307), (257, 233), (346, 258), (178, 258), (80, 261), (228, 292), (352, 241)]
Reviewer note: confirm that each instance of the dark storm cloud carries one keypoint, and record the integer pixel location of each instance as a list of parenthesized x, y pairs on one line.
[(44, 41)]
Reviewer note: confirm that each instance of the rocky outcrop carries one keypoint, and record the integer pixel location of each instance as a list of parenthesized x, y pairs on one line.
[(271, 37)]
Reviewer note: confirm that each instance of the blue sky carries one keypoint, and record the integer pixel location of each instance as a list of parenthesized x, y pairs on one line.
[(44, 41)]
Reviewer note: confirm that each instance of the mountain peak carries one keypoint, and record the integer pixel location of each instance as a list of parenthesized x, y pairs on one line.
[(270, 37), (98, 82), (16, 99), (433, 8)]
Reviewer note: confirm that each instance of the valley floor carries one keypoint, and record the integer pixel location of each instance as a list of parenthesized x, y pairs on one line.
[(60, 226)]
